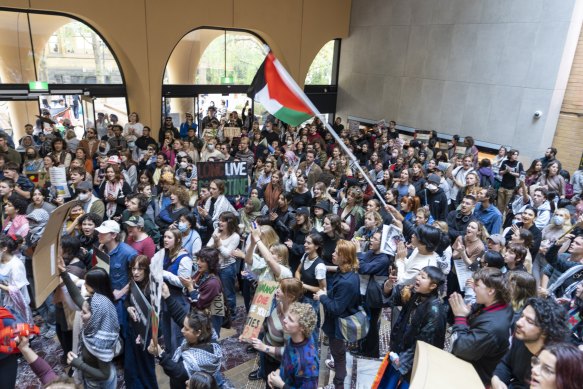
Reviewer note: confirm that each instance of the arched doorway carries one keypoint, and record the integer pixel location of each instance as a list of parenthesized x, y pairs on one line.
[(77, 73)]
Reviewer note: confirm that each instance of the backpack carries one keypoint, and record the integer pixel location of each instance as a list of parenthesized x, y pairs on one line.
[(486, 181)]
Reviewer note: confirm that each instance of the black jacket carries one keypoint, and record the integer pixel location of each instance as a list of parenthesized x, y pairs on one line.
[(514, 368), (482, 339), (422, 318), (342, 300), (457, 224), (437, 202)]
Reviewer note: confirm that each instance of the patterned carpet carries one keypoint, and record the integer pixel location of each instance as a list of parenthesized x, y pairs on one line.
[(51, 351)]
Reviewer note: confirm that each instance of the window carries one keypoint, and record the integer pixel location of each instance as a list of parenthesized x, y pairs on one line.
[(323, 66)]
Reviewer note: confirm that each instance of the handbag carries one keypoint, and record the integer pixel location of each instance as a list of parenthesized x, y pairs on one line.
[(374, 295), (355, 326)]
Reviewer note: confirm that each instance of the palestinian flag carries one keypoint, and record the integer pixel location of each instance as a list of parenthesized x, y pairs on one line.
[(278, 92)]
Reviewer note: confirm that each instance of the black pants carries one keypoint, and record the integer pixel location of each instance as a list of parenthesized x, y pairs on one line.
[(369, 346), (8, 370), (338, 351)]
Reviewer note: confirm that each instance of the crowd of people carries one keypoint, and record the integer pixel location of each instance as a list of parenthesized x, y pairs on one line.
[(311, 221)]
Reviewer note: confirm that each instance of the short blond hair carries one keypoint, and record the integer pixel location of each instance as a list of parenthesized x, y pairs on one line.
[(306, 317)]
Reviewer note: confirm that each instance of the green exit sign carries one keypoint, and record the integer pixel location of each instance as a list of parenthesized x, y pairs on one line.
[(226, 80), (38, 86)]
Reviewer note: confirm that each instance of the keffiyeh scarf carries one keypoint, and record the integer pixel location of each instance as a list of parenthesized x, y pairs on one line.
[(101, 333)]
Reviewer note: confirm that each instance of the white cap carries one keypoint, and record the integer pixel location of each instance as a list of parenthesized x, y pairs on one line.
[(108, 226)]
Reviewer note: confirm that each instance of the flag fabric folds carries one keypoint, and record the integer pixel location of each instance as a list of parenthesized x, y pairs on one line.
[(275, 89)]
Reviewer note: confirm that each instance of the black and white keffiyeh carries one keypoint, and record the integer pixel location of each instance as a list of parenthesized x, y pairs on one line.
[(207, 357), (101, 333)]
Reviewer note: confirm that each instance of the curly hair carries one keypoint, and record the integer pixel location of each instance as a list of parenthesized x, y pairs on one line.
[(550, 317), (306, 317)]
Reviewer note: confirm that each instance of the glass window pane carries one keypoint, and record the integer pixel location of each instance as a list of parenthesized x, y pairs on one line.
[(199, 58), (69, 52), (320, 72), (113, 106)]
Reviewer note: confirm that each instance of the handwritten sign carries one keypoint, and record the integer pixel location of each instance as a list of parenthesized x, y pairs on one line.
[(354, 127), (143, 308), (260, 309), (58, 177), (234, 174), (231, 132)]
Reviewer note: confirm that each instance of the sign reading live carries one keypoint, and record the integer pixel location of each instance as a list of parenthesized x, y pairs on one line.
[(260, 309), (234, 174)]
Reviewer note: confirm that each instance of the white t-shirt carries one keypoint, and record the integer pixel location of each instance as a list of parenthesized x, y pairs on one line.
[(320, 270), (263, 271)]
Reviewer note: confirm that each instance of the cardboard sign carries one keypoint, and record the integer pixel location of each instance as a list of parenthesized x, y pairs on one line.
[(37, 178), (143, 310), (460, 151), (430, 363), (260, 309), (100, 259), (231, 132), (234, 174), (44, 259)]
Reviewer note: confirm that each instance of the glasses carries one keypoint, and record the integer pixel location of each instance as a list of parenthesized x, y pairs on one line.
[(545, 370)]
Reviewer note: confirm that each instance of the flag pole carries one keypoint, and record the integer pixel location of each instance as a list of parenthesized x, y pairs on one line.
[(293, 85)]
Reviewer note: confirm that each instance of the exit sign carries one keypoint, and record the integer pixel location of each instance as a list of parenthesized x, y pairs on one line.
[(38, 86), (226, 80)]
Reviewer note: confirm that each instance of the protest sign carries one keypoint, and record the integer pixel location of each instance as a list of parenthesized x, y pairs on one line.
[(462, 271), (390, 237), (429, 364), (234, 174), (354, 127), (260, 309), (231, 132), (156, 281), (58, 177), (460, 151), (143, 308), (423, 135), (44, 259), (37, 178), (100, 259)]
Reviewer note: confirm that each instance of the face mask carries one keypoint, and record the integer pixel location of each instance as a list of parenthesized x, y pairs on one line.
[(289, 142), (84, 196), (432, 187), (211, 147), (30, 156), (182, 227), (183, 165), (102, 149), (131, 145), (558, 220)]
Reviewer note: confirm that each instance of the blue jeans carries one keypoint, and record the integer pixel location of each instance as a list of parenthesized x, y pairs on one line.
[(228, 277), (217, 322)]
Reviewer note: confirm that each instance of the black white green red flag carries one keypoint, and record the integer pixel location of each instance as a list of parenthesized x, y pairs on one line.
[(277, 91)]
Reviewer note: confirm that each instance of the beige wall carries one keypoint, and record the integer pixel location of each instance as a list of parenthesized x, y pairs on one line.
[(569, 136), (143, 33)]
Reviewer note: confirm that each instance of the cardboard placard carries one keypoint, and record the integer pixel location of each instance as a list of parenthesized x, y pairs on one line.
[(460, 151), (100, 259), (431, 362), (260, 309), (234, 174), (44, 259), (38, 178), (143, 310), (231, 132)]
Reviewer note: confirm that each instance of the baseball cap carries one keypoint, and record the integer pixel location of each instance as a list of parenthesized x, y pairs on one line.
[(135, 221), (84, 185), (433, 178), (498, 239), (108, 226), (114, 159)]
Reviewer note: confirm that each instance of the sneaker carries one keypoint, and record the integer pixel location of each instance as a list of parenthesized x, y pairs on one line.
[(49, 333), (330, 364)]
